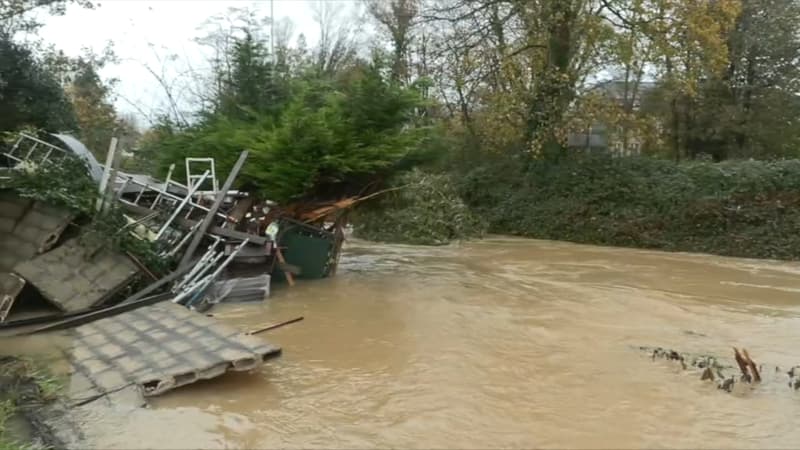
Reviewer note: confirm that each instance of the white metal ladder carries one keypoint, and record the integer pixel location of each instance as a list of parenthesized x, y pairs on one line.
[(193, 178), (31, 149)]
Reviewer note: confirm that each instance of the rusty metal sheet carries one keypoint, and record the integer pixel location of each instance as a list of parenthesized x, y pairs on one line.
[(161, 347), (73, 282)]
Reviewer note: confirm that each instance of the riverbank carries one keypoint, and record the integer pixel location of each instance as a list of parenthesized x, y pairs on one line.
[(30, 397), (735, 208)]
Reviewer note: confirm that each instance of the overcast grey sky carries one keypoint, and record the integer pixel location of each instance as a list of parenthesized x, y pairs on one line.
[(170, 26)]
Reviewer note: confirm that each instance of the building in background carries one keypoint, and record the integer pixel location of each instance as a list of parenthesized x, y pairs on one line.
[(599, 137)]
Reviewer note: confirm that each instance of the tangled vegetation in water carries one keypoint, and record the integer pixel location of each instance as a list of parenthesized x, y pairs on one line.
[(425, 209)]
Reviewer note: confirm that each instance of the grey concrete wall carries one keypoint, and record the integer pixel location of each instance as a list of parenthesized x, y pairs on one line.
[(72, 280)]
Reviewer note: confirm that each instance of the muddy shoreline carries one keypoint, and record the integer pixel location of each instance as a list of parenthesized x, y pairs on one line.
[(38, 413)]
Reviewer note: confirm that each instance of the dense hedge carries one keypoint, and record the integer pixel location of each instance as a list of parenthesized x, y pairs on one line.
[(426, 210), (737, 208)]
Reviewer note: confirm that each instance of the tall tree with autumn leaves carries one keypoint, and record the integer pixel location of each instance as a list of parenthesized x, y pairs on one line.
[(715, 77), (530, 64), (753, 107)]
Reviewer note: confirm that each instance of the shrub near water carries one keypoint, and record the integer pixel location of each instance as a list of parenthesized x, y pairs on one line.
[(737, 208), (426, 210)]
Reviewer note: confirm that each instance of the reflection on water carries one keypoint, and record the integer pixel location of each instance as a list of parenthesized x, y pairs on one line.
[(499, 343)]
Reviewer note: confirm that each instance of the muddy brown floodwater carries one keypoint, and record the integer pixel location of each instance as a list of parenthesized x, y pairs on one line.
[(499, 343)]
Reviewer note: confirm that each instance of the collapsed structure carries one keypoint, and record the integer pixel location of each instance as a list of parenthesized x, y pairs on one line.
[(218, 244)]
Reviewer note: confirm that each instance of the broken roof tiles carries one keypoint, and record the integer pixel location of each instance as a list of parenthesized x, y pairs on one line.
[(161, 347)]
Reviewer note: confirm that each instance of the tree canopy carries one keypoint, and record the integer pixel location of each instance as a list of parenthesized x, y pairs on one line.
[(679, 79), (30, 95)]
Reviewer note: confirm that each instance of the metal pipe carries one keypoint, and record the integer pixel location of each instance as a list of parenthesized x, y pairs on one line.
[(214, 208), (208, 265), (181, 205), (121, 189), (28, 156), (47, 155), (189, 276), (183, 240), (203, 283), (166, 183), (170, 195), (206, 256)]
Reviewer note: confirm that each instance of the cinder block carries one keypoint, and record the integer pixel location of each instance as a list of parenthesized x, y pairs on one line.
[(111, 350), (57, 274), (95, 366), (13, 206)]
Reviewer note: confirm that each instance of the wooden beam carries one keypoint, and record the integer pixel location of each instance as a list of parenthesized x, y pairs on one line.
[(241, 209), (282, 260), (277, 325), (108, 172), (187, 224)]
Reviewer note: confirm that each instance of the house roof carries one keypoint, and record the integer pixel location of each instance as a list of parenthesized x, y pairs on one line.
[(616, 88)]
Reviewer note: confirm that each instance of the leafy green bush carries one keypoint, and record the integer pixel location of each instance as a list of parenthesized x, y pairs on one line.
[(65, 183), (327, 136), (426, 209), (738, 208), (31, 94)]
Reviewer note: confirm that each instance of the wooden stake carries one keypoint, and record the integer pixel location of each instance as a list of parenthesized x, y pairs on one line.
[(111, 161), (289, 276), (752, 365), (277, 325)]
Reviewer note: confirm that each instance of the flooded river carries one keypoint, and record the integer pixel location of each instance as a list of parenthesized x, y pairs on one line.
[(501, 343)]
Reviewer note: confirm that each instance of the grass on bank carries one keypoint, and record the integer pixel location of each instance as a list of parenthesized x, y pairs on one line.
[(23, 382)]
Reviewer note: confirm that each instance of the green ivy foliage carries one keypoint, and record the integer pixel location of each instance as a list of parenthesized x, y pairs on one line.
[(65, 183), (736, 208)]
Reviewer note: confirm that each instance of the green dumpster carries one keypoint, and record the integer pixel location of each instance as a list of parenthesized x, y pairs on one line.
[(310, 249)]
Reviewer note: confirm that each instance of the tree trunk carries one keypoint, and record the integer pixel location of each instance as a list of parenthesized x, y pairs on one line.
[(554, 91)]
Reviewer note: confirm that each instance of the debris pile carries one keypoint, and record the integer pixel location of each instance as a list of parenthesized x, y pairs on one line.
[(211, 244), (220, 244)]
